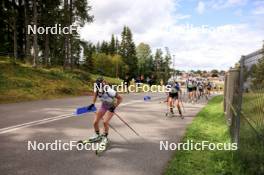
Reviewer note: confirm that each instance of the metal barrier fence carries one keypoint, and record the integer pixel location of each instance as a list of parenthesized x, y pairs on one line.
[(244, 108)]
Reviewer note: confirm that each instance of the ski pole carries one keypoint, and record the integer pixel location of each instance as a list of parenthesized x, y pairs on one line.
[(113, 128), (126, 124), (163, 101), (118, 132)]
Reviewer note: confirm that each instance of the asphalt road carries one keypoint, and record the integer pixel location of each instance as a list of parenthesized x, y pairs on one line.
[(49, 120)]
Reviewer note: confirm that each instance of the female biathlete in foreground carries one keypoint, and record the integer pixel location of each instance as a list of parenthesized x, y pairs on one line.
[(173, 98), (110, 100)]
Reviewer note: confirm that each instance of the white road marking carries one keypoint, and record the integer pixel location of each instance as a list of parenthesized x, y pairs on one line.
[(34, 123), (51, 119)]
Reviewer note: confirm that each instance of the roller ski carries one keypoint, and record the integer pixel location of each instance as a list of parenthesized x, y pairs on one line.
[(170, 113), (181, 116), (93, 139), (103, 145), (180, 111)]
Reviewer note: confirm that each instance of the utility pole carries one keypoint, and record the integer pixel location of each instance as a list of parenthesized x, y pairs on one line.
[(263, 48), (174, 71)]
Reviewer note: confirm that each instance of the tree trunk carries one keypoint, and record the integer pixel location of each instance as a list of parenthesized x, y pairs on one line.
[(15, 41), (35, 36), (69, 51), (8, 38), (47, 50), (66, 41), (27, 44), (66, 52), (70, 37), (20, 30), (14, 30)]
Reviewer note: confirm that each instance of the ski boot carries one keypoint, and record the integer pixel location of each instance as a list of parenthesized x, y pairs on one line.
[(171, 114), (182, 117), (93, 139)]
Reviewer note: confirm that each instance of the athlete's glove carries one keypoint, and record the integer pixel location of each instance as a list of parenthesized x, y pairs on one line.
[(112, 109), (91, 107)]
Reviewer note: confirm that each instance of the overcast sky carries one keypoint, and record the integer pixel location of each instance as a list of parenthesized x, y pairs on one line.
[(208, 34)]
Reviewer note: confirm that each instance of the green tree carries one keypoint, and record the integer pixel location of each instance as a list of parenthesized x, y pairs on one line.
[(214, 73), (166, 65), (54, 50), (50, 10), (109, 65), (74, 12), (102, 64), (143, 55), (88, 50), (119, 67), (104, 48), (199, 72), (128, 51), (149, 67), (158, 61), (117, 45), (112, 46), (258, 74)]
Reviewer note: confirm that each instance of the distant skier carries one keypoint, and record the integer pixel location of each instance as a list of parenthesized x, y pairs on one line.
[(200, 85), (127, 83), (189, 85), (173, 97)]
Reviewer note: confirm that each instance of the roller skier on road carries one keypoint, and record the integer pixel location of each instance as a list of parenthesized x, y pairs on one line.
[(110, 100)]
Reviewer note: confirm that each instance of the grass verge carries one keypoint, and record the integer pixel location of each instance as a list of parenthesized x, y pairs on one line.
[(21, 82), (209, 125), (250, 156)]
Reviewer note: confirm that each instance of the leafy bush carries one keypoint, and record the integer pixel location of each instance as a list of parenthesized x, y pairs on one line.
[(108, 65), (258, 75)]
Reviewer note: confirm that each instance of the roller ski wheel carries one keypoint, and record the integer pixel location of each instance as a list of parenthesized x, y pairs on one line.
[(181, 116), (83, 142), (86, 141), (103, 145), (170, 114)]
